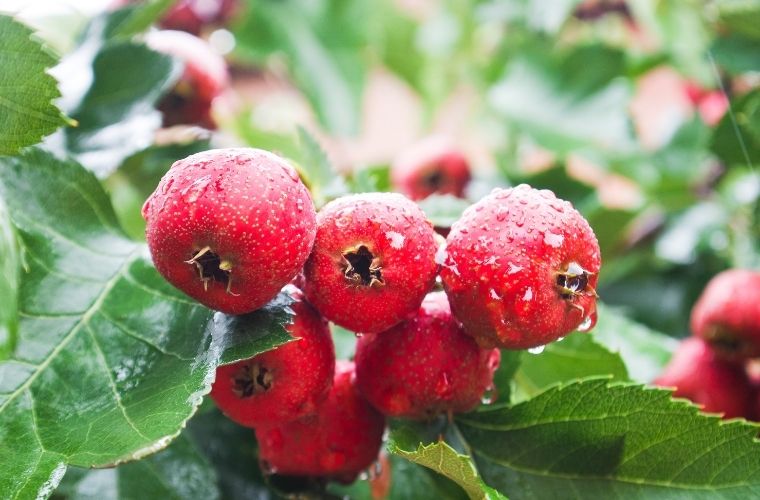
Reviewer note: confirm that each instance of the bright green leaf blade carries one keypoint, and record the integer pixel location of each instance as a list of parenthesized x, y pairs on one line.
[(111, 360), (737, 139), (27, 91), (117, 116), (442, 458), (323, 180), (576, 356), (593, 439), (178, 472), (9, 269), (644, 351), (443, 210), (742, 16), (134, 19)]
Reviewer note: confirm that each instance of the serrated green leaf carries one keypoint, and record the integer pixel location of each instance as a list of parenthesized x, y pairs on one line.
[(644, 351), (443, 210), (178, 472), (27, 91), (110, 360), (576, 356), (9, 270), (442, 458), (594, 439), (323, 180)]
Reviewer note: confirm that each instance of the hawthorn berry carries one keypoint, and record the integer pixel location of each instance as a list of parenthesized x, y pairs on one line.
[(338, 442), (204, 78), (702, 377), (285, 383), (192, 16), (727, 314), (425, 365), (431, 166), (373, 261), (230, 227), (520, 269)]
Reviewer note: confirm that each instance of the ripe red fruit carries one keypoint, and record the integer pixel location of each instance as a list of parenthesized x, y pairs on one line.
[(425, 365), (520, 269), (230, 227), (204, 78), (194, 15), (431, 166), (700, 376), (341, 440), (373, 261), (282, 384), (727, 314)]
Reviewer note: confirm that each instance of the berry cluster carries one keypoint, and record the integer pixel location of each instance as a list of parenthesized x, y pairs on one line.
[(233, 227), (717, 367)]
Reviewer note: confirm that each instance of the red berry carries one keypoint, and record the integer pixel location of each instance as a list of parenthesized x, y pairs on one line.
[(373, 261), (194, 15), (341, 440), (520, 269), (204, 78), (230, 227), (715, 385), (285, 383), (727, 314), (431, 166), (425, 365)]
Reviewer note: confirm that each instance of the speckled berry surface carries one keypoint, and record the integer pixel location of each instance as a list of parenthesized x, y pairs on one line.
[(433, 165), (339, 442), (230, 227), (701, 377), (373, 261), (204, 78), (425, 365), (727, 314), (520, 269), (283, 384)]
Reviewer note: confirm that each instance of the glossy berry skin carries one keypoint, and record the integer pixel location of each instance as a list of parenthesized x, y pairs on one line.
[(204, 78), (520, 269), (341, 440), (230, 227), (282, 384), (700, 376), (373, 261), (431, 166), (727, 314), (425, 365)]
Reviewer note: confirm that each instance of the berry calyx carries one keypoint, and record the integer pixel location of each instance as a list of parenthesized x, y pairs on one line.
[(433, 165), (520, 269), (230, 227), (340, 441), (425, 365), (373, 261), (699, 375), (727, 314), (285, 383)]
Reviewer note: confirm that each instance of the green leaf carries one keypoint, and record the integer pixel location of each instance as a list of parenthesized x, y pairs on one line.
[(10, 263), (742, 16), (110, 360), (117, 116), (594, 439), (443, 210), (371, 180), (323, 180), (644, 351), (321, 43), (737, 54), (178, 472), (442, 458), (231, 450), (737, 139), (27, 91), (576, 356), (134, 19)]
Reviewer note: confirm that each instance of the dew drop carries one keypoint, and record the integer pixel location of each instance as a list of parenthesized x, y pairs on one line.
[(537, 350), (489, 396), (342, 222), (502, 213), (443, 386), (588, 323)]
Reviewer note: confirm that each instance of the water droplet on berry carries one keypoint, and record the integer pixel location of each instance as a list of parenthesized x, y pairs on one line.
[(588, 323), (146, 208), (502, 194), (443, 386), (299, 205), (194, 191), (537, 350), (342, 222), (489, 396), (502, 213)]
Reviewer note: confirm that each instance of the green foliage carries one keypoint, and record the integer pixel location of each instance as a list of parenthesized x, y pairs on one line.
[(110, 360), (9, 271), (27, 91)]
